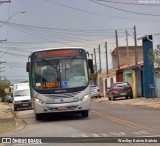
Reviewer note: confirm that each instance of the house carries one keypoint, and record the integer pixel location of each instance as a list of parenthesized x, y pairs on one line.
[(125, 69)]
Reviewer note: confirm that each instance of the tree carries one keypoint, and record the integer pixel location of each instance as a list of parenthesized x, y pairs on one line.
[(154, 56), (3, 84)]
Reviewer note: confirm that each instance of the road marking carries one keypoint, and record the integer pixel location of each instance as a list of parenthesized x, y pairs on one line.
[(121, 121), (103, 135), (140, 133), (114, 134), (79, 135), (95, 135), (84, 135)]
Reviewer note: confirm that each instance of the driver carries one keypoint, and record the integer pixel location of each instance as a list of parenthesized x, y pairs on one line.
[(49, 74), (74, 72)]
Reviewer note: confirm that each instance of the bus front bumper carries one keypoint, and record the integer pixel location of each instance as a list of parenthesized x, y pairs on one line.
[(62, 107)]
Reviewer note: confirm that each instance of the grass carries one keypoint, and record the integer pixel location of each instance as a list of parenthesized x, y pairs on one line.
[(6, 127)]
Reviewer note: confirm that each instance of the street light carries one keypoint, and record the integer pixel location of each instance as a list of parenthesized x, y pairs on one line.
[(23, 11)]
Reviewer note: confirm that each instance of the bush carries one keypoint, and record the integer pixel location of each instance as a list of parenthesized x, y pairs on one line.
[(2, 95), (3, 84)]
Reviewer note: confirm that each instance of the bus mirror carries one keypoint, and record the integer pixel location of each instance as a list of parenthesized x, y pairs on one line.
[(90, 64), (28, 67)]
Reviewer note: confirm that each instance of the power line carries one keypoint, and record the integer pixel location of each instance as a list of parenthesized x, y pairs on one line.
[(91, 12), (40, 33), (140, 4), (20, 55), (147, 14), (65, 29)]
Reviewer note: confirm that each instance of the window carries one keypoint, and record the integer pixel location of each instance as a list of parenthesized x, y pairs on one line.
[(59, 73), (22, 93)]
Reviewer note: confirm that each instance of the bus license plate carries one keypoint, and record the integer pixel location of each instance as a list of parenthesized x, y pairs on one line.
[(62, 108)]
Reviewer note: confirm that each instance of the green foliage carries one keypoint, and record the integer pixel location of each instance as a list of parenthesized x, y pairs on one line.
[(154, 57), (93, 76), (3, 84)]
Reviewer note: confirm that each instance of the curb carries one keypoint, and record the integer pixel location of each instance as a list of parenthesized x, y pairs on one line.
[(8, 118), (140, 102), (19, 123)]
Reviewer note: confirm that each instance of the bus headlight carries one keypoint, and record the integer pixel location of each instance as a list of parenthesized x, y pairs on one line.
[(38, 101), (85, 97)]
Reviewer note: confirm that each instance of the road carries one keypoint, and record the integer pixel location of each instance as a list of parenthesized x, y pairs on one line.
[(105, 120)]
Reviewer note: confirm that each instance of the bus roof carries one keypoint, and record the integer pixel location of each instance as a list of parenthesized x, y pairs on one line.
[(47, 49)]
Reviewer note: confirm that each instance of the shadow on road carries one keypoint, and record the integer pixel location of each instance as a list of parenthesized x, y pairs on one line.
[(60, 117)]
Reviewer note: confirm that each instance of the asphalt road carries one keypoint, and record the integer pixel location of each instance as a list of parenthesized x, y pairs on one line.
[(105, 120)]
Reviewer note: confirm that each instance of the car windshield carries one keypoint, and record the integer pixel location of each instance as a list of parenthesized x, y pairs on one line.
[(122, 85), (59, 74), (22, 93)]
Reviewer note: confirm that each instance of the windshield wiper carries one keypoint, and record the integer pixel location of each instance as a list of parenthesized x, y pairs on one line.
[(58, 73), (46, 61)]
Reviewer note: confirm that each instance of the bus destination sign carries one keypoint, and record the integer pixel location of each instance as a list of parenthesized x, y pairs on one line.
[(58, 53)]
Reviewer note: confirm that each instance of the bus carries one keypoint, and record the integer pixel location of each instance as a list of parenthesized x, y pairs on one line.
[(54, 85)]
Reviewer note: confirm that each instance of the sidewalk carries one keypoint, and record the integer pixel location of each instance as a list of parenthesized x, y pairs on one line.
[(140, 101), (7, 118)]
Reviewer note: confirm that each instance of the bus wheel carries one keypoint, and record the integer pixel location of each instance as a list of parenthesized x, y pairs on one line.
[(37, 116), (85, 113)]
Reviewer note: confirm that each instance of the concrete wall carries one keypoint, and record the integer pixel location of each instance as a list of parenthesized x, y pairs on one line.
[(124, 59)]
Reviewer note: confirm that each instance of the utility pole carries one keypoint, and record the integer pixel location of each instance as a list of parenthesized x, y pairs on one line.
[(1, 69), (127, 47), (117, 47), (136, 64), (136, 51), (1, 62), (92, 56), (95, 60), (88, 55), (0, 51), (99, 58), (106, 58)]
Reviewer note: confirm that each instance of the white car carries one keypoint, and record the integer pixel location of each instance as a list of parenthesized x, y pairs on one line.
[(95, 91), (21, 96), (22, 99)]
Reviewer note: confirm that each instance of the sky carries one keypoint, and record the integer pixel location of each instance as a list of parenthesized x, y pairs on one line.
[(65, 23)]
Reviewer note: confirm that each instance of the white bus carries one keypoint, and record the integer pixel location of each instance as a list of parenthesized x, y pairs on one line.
[(59, 80)]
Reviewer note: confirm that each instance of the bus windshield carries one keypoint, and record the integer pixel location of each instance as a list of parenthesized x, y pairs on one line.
[(59, 73)]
